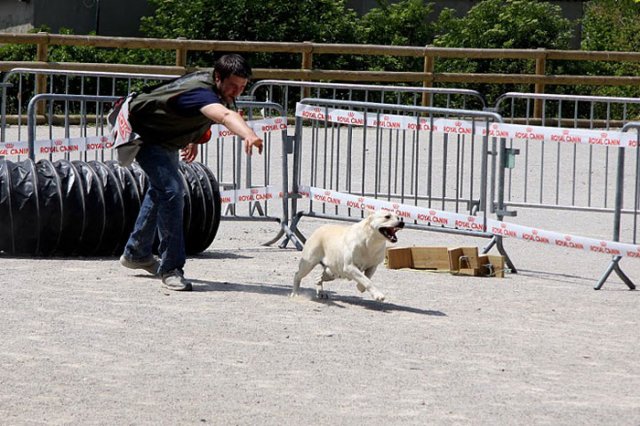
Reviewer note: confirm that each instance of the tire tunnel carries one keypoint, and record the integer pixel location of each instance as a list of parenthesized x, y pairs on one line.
[(77, 208)]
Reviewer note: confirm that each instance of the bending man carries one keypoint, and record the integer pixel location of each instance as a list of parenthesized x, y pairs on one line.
[(172, 118)]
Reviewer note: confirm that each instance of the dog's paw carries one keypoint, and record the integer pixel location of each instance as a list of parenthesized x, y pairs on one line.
[(321, 294), (293, 294), (378, 296)]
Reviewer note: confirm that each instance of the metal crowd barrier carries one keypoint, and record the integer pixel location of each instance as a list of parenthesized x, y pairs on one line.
[(614, 265), (393, 153), (19, 85), (580, 178), (475, 166), (254, 187), (75, 141), (256, 182), (287, 93), (548, 177)]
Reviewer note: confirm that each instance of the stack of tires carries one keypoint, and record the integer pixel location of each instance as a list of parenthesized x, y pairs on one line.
[(77, 208)]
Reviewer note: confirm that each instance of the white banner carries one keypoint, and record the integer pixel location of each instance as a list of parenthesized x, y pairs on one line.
[(267, 125), (8, 149), (465, 127), (92, 143), (472, 223), (57, 146), (265, 193)]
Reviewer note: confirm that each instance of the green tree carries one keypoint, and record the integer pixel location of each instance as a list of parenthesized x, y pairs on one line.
[(507, 24), (502, 24), (611, 25), (322, 21), (405, 23)]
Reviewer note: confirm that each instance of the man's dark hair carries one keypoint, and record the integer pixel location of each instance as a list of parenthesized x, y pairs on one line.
[(232, 64)]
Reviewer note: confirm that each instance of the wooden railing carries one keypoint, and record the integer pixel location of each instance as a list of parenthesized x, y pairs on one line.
[(308, 50)]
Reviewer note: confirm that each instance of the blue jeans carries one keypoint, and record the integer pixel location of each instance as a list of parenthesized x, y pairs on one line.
[(162, 210)]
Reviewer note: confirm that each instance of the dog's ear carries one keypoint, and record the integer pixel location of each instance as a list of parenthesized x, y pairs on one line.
[(368, 212)]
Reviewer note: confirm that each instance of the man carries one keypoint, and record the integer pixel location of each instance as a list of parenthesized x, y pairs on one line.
[(171, 118)]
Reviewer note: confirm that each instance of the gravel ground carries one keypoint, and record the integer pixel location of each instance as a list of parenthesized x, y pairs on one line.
[(85, 341)]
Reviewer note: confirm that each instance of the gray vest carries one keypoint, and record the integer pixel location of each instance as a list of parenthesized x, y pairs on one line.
[(156, 122)]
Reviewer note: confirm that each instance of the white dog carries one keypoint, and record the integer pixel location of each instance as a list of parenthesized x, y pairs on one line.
[(350, 252)]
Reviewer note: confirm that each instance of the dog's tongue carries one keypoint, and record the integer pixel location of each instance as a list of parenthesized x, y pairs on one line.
[(391, 234)]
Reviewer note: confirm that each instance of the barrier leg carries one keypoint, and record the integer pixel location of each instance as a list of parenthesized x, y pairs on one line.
[(615, 266), (497, 241), (290, 236), (492, 242), (277, 237), (255, 206), (294, 234)]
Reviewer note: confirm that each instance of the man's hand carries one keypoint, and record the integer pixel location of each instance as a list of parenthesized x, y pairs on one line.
[(189, 152), (252, 141), (234, 122)]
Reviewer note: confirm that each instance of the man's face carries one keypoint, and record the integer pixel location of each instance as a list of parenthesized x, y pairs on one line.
[(231, 87)]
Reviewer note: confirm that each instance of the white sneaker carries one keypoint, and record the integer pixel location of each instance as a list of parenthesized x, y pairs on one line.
[(150, 264), (174, 280)]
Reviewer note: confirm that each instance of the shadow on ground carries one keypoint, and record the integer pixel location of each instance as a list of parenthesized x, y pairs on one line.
[(333, 300)]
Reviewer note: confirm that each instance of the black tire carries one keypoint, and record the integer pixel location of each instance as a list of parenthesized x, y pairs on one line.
[(51, 212), (213, 202), (25, 207), (113, 206), (95, 213), (73, 207)]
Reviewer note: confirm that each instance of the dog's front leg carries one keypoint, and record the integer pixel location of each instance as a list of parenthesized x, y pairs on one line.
[(362, 281), (369, 273)]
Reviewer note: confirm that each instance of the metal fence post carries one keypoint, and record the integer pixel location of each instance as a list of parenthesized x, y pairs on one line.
[(614, 265)]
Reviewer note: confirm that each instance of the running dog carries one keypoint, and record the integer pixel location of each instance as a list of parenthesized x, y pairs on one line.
[(349, 252)]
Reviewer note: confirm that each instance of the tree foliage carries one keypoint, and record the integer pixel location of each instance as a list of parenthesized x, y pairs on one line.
[(611, 25), (502, 24), (321, 21), (406, 23), (508, 24)]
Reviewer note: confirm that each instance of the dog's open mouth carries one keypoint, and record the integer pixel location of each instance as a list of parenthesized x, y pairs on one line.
[(390, 232)]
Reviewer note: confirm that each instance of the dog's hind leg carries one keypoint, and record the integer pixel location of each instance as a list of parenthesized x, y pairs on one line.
[(363, 281), (326, 275), (304, 267)]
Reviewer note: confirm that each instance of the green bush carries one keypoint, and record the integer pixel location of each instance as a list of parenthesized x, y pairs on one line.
[(321, 21), (612, 25), (501, 24), (405, 23)]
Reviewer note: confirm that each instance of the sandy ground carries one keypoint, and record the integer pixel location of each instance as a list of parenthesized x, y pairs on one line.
[(85, 341)]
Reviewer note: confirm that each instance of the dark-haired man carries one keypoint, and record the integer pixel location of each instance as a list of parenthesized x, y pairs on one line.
[(169, 119)]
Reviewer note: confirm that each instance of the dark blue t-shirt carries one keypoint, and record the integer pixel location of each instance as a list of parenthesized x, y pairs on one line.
[(189, 103)]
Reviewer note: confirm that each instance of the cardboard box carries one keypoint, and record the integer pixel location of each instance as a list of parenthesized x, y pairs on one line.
[(398, 258), (431, 258), (491, 266), (435, 258), (458, 260), (464, 261)]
